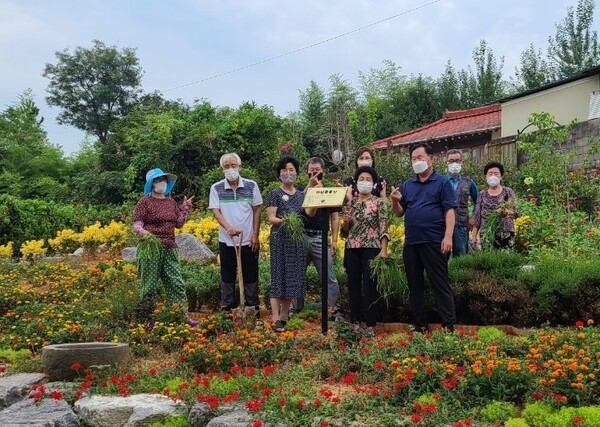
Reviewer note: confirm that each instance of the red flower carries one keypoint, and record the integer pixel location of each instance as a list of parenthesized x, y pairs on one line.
[(317, 402), (324, 424), (212, 401), (153, 371), (267, 391), (537, 395), (415, 418), (57, 395), (281, 401), (379, 366), (349, 379), (250, 372), (268, 369), (75, 366), (2, 369), (579, 324), (577, 419), (257, 423)]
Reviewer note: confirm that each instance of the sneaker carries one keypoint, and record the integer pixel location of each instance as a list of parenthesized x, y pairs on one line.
[(418, 329), (279, 326), (337, 315), (370, 331), (192, 322)]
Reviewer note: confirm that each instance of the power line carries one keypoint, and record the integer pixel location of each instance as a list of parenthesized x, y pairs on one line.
[(273, 58)]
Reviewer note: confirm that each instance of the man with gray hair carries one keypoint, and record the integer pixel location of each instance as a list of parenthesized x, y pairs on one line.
[(236, 204), (464, 187)]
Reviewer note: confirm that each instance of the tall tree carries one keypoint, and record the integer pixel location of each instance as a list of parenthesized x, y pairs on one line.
[(488, 74), (313, 119), (534, 70), (575, 46), (30, 167), (94, 87), (341, 101)]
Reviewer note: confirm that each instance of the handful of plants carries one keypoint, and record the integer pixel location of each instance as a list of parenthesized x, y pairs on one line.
[(295, 226), (148, 248), (391, 280)]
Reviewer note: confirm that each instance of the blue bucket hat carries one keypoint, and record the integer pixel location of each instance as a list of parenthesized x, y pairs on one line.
[(155, 173)]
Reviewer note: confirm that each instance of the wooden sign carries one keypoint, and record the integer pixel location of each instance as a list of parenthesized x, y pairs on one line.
[(324, 197)]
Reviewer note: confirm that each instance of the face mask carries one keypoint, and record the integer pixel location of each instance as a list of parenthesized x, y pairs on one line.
[(420, 166), (493, 181), (160, 187), (364, 163), (232, 174), (288, 178), (454, 167), (364, 187)]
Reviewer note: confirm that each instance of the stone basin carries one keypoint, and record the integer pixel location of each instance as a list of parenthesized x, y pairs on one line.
[(58, 358)]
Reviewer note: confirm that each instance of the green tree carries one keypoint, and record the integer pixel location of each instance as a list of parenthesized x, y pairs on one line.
[(575, 46), (94, 87), (313, 119), (342, 99), (30, 167), (488, 74), (534, 70)]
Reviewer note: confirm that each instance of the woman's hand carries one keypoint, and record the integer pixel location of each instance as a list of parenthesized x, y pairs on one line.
[(187, 203)]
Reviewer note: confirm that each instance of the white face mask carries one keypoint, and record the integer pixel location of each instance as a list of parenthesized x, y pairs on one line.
[(364, 162), (454, 168), (288, 178), (493, 181), (364, 187), (420, 166), (160, 187), (232, 174)]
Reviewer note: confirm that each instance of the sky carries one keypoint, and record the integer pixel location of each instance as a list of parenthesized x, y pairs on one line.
[(267, 51)]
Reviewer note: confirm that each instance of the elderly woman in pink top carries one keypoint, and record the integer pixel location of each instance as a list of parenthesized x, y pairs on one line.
[(158, 214)]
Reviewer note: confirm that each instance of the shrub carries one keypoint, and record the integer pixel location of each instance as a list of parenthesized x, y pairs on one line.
[(496, 411), (564, 290)]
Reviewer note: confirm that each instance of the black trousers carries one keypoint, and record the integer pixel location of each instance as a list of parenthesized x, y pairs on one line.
[(229, 275), (428, 257), (359, 278)]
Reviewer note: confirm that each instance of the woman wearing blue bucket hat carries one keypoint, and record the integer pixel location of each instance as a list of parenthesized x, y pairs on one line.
[(158, 214)]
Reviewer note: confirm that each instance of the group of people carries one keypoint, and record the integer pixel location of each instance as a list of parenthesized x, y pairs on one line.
[(437, 216)]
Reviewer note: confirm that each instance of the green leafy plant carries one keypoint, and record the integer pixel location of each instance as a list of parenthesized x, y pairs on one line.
[(295, 226), (149, 247), (389, 276)]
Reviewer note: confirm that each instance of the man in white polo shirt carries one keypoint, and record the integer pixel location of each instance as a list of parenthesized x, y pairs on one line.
[(236, 204)]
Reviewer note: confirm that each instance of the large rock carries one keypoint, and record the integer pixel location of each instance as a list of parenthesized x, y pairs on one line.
[(132, 411), (58, 358), (190, 248), (43, 413), (232, 419), (14, 388)]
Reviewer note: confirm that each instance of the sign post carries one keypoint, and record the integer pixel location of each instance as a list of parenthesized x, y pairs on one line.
[(324, 197)]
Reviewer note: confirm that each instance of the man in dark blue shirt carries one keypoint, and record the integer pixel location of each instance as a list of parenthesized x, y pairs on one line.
[(427, 202)]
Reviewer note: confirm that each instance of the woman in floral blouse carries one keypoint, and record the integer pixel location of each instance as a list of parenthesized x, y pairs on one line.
[(365, 223), (500, 201)]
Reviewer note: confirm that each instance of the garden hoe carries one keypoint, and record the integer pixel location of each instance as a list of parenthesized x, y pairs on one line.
[(243, 317)]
